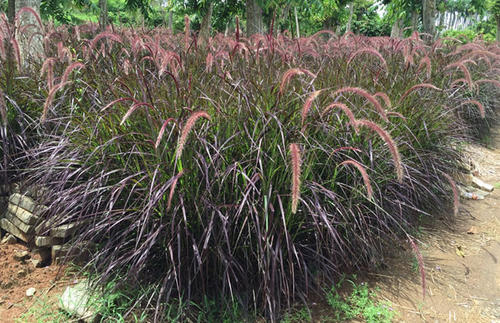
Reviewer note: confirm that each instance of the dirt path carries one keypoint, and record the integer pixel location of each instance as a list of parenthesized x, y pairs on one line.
[(462, 260)]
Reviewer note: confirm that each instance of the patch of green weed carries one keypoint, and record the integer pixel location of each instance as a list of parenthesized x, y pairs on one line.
[(359, 304)]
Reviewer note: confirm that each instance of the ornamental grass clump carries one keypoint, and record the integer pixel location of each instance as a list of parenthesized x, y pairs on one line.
[(273, 194)]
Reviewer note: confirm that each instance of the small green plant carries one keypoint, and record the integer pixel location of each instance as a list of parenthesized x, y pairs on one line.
[(44, 309), (359, 304), (296, 316)]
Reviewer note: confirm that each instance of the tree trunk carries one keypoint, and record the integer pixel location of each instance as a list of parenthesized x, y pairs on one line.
[(29, 47), (396, 29), (171, 21), (255, 24), (429, 16), (103, 15), (282, 16), (414, 20), (351, 13), (296, 21), (498, 29), (441, 21), (206, 22)]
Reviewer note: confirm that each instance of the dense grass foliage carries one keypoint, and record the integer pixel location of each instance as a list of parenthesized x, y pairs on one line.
[(253, 170)]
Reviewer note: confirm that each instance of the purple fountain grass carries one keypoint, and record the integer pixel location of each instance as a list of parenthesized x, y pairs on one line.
[(307, 106), (133, 108), (346, 148), (162, 131), (416, 87), (69, 69), (104, 35), (50, 98), (494, 82), (48, 67), (478, 104), (291, 73), (464, 70), (296, 163), (384, 97), (390, 143), (32, 12), (118, 101), (187, 129), (172, 189), (345, 109), (367, 96), (425, 62), (420, 260), (456, 197), (3, 109), (368, 50), (364, 174)]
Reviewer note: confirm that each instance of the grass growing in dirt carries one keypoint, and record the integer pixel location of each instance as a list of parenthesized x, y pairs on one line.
[(360, 304), (251, 170)]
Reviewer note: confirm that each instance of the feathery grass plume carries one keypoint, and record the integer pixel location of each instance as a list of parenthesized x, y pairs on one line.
[(48, 66), (384, 97), (364, 174), (31, 11), (296, 161), (420, 260), (367, 96), (478, 104), (162, 131), (390, 143), (117, 101), (291, 73), (50, 98), (425, 61), (132, 109), (368, 50), (456, 198), (457, 81), (307, 106), (209, 61), (172, 189), (464, 70), (396, 114), (186, 32), (345, 109), (187, 128), (17, 51), (69, 69), (102, 35), (494, 82), (416, 87)]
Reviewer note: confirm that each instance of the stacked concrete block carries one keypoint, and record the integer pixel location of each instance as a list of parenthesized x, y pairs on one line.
[(49, 243)]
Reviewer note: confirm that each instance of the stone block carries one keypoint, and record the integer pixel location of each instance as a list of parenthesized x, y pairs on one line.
[(22, 214), (64, 231), (26, 228), (76, 300), (23, 201), (44, 241), (12, 229), (78, 253)]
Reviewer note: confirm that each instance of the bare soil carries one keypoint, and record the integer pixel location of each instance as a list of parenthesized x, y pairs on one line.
[(18, 276), (461, 259)]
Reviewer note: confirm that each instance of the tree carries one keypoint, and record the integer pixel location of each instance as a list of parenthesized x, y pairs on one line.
[(255, 22), (495, 10), (103, 14), (429, 16)]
